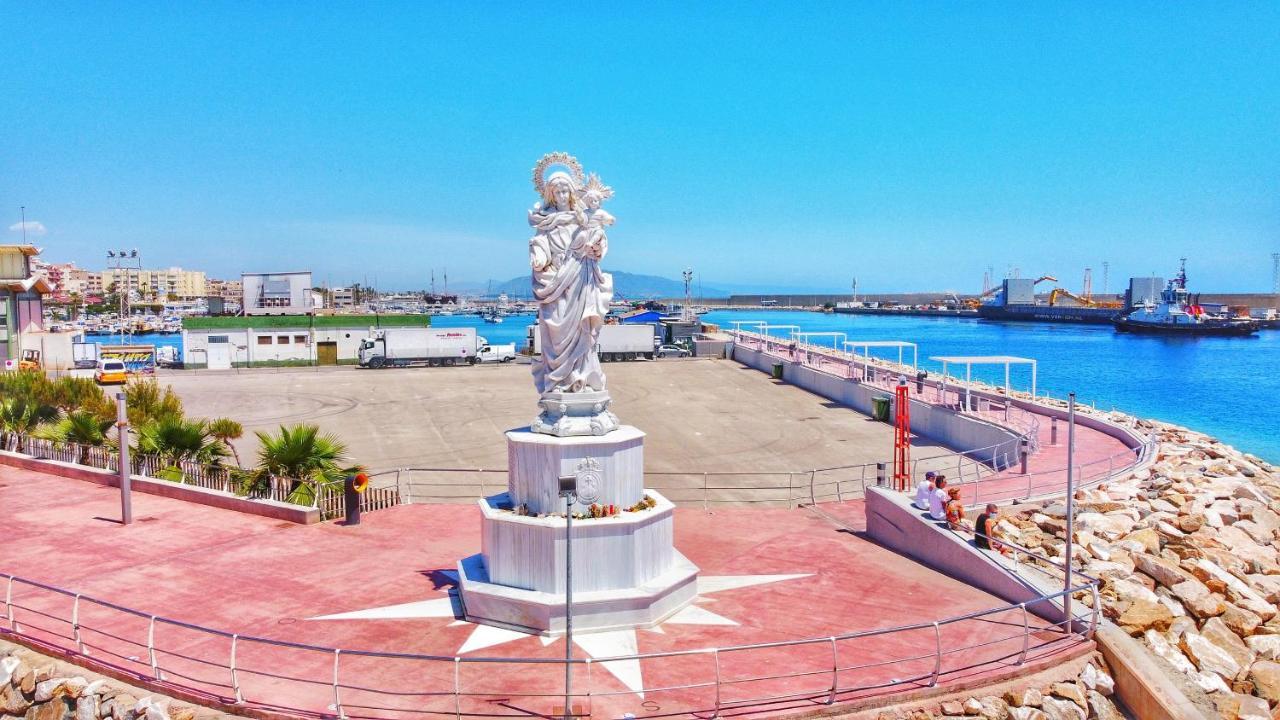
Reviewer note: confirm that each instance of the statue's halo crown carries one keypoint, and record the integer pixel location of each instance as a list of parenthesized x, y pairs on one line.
[(557, 158)]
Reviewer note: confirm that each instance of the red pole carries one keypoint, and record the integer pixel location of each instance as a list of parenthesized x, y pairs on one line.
[(902, 438)]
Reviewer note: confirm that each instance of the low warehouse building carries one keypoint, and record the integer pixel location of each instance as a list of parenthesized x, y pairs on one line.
[(221, 343)]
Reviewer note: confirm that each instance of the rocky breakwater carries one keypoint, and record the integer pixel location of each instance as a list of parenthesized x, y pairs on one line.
[(1087, 697), (1188, 557), (34, 687)]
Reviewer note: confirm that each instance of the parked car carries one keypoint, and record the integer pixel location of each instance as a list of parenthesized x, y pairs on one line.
[(111, 372), (666, 351)]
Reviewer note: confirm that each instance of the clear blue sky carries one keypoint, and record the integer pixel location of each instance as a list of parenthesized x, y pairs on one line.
[(782, 144)]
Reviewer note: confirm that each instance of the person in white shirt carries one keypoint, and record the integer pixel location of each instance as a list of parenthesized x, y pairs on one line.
[(924, 489), (938, 499)]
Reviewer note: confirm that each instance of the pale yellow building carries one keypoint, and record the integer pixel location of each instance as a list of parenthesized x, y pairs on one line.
[(157, 284)]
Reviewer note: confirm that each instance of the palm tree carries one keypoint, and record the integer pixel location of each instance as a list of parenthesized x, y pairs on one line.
[(174, 441), (301, 454), (81, 427), (226, 430), (20, 417)]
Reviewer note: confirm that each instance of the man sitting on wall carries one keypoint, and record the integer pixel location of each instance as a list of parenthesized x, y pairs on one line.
[(924, 490)]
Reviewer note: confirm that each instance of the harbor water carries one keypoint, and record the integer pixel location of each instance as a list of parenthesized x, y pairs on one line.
[(1227, 387)]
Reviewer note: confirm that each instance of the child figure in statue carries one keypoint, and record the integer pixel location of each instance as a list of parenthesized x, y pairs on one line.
[(592, 241)]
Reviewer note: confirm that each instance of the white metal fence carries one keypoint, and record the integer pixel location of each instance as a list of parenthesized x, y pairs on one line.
[(223, 667)]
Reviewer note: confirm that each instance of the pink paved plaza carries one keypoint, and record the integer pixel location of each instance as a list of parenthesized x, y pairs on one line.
[(255, 577)]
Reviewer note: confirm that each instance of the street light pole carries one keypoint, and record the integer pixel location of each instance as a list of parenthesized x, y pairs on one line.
[(1071, 502), (126, 489), (568, 491)]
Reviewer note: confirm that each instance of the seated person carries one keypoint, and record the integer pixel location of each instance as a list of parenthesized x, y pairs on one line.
[(938, 499), (955, 510), (923, 490), (984, 528)]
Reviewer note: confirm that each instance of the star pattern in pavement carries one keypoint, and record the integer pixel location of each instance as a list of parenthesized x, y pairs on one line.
[(611, 643)]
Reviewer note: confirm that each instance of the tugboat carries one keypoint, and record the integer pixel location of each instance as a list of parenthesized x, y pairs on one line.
[(1180, 313)]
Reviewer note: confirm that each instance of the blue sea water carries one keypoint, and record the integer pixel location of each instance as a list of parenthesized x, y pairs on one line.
[(1227, 387)]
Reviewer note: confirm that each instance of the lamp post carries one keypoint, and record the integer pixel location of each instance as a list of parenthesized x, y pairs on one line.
[(126, 490), (1071, 502), (568, 491), (583, 485)]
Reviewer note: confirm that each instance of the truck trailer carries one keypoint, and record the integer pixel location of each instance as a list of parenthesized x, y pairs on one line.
[(402, 347), (617, 342)]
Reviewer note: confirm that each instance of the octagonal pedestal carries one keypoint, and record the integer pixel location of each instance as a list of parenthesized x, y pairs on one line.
[(626, 573), (626, 570), (535, 461)]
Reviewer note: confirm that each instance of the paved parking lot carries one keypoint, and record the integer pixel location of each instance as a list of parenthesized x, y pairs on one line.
[(699, 414)]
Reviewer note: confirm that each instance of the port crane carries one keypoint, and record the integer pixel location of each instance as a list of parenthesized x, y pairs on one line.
[(1083, 301), (975, 302)]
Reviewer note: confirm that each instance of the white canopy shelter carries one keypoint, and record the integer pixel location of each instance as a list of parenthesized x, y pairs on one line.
[(738, 324), (804, 337), (970, 360), (866, 346), (766, 328)]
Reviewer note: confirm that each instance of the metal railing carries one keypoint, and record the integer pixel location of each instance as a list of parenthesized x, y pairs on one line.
[(315, 680), (884, 374), (1047, 483), (779, 488)]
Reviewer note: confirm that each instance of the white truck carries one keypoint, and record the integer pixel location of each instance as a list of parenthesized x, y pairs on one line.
[(402, 347), (617, 342)]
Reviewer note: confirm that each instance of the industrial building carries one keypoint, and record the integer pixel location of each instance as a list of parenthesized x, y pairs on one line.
[(282, 293), (221, 343)]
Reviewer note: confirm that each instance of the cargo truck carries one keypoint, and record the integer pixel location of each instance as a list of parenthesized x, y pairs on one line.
[(617, 342), (402, 347)]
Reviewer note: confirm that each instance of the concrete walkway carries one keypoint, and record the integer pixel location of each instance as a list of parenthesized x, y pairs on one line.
[(1097, 453)]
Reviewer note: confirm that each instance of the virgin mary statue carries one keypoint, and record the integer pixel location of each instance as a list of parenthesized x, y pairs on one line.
[(572, 292)]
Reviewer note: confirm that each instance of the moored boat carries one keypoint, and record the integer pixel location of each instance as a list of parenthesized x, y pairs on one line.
[(1179, 313)]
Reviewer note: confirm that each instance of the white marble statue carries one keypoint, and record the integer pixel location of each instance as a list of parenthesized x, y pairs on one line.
[(573, 296)]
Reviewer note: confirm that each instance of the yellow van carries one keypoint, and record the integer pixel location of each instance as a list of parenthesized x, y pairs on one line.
[(111, 372)]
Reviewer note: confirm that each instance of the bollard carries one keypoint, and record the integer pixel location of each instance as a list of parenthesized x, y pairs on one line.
[(1053, 431), (1024, 451), (351, 489), (880, 474)]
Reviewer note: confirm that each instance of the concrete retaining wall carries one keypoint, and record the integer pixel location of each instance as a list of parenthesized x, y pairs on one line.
[(958, 432), (896, 524), (892, 521), (189, 493)]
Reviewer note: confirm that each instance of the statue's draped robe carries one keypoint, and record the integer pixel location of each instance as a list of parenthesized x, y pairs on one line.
[(573, 297)]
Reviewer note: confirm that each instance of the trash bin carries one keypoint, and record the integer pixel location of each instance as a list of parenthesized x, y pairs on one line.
[(880, 407), (777, 371)]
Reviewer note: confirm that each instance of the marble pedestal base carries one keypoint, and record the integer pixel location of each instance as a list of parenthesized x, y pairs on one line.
[(626, 573), (575, 414), (535, 462)]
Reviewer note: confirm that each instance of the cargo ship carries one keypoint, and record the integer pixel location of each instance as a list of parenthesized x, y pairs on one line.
[(1015, 299), (1178, 312)]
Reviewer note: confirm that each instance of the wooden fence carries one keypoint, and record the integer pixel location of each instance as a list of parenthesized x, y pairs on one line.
[(333, 502), (211, 477)]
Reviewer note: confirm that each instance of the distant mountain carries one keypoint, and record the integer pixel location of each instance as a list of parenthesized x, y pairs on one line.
[(626, 286)]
